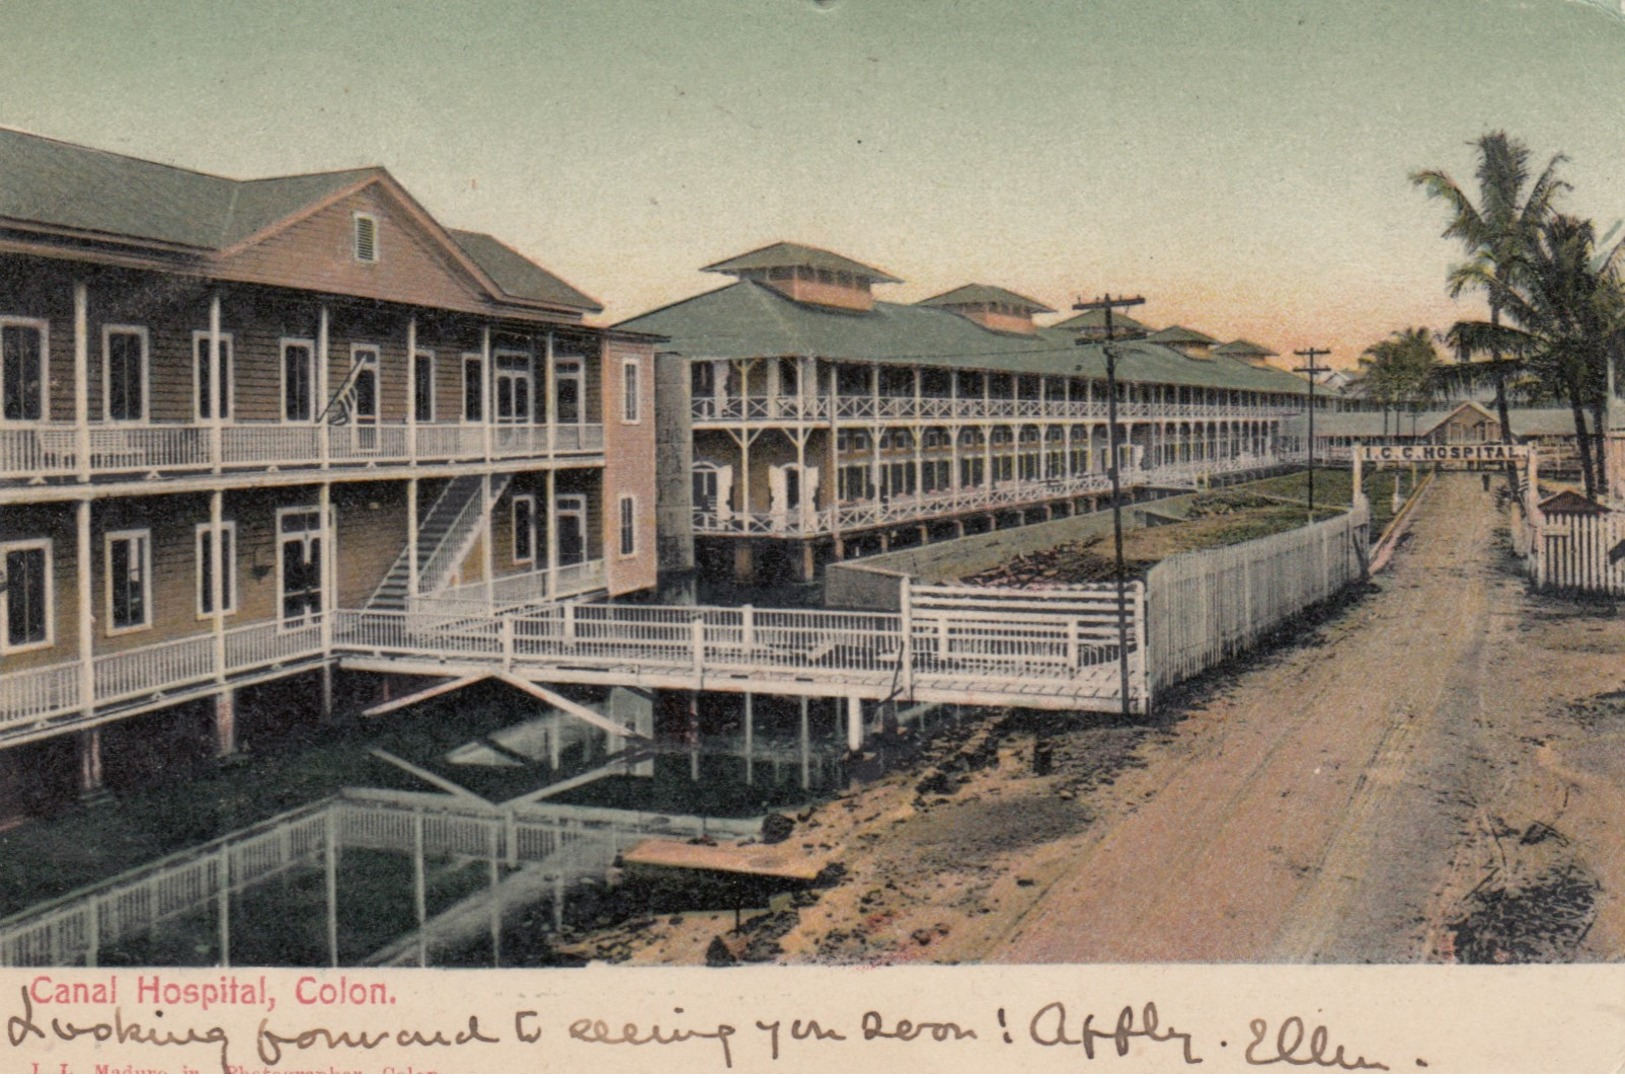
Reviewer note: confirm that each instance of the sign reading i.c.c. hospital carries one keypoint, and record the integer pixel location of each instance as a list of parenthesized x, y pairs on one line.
[(1443, 454)]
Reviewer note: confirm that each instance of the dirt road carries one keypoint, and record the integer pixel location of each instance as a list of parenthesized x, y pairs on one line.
[(1332, 806), (1435, 773)]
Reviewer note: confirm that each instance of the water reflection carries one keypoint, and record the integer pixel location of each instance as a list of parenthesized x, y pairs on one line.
[(519, 842)]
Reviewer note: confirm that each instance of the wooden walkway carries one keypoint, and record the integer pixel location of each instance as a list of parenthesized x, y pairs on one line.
[(978, 648)]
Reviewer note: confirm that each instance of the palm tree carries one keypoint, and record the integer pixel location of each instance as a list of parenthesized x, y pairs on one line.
[(1568, 315), (1497, 233), (1399, 369)]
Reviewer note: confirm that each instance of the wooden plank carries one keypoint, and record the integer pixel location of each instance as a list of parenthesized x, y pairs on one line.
[(423, 694), (615, 766), (771, 861), (564, 703), (430, 777)]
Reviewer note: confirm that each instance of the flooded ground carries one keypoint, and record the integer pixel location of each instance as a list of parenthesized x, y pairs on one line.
[(197, 868)]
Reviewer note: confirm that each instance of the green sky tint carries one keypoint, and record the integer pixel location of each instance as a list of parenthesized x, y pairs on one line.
[(1241, 162)]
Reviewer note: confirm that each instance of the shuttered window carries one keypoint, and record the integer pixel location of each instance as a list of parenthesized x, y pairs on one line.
[(629, 526), (631, 389)]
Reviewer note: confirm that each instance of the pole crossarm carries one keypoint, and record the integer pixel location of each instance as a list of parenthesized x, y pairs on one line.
[(1311, 369)]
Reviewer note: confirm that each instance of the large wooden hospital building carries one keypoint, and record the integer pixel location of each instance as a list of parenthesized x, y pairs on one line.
[(229, 406), (827, 421)]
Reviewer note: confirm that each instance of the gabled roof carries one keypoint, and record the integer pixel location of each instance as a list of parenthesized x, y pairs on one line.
[(1484, 414), (1096, 319), (50, 182), (750, 320), (1180, 335), (1241, 347), (517, 275), (1397, 422), (970, 294), (257, 205), (1568, 502), (778, 255), (58, 185)]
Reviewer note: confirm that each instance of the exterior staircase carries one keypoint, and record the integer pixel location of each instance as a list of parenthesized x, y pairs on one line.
[(445, 536)]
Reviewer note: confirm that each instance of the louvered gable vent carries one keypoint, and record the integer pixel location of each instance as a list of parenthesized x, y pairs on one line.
[(366, 238)]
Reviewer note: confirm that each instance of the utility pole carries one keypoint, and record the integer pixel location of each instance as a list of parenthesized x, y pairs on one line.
[(1107, 303), (1310, 355)]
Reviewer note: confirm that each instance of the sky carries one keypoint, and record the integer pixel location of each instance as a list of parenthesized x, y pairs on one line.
[(1243, 164)]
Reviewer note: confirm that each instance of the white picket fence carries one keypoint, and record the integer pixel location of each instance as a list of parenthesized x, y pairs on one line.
[(1208, 605), (1579, 552)]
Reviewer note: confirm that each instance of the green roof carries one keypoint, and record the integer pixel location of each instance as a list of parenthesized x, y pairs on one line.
[(1181, 335), (985, 293), (1242, 347), (1096, 319), (59, 184), (748, 320), (519, 276), (779, 255)]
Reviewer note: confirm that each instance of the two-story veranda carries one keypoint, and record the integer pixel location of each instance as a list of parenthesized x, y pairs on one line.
[(228, 408), (826, 421)]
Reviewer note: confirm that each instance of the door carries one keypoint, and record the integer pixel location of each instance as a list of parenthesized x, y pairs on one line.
[(364, 400), (299, 565), (22, 371), (568, 391), (705, 487), (212, 383), (572, 520), (473, 389)]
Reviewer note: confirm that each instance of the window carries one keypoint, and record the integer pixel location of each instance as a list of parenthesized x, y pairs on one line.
[(631, 399), (22, 369), (706, 479), (298, 393), (129, 578), (423, 387), (25, 595), (473, 387), (524, 529), (205, 569), (513, 378), (124, 367), (213, 387), (366, 238), (629, 525)]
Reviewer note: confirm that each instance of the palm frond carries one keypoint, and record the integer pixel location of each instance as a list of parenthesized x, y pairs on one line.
[(1466, 224)]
